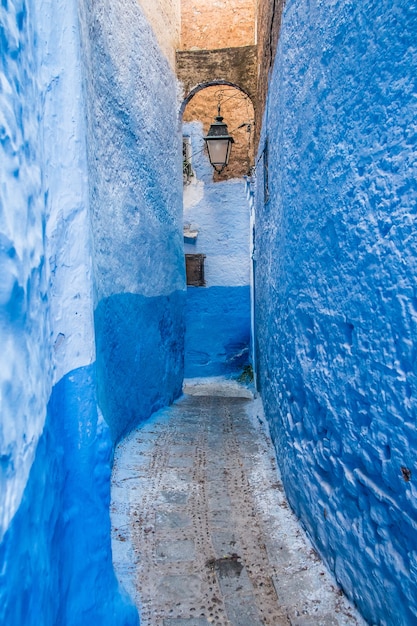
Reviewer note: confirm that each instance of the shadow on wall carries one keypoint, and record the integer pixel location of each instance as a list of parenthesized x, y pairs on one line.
[(139, 356)]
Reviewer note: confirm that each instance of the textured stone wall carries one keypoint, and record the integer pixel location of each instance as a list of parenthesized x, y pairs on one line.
[(213, 24), (336, 285), (268, 22), (236, 66), (164, 17)]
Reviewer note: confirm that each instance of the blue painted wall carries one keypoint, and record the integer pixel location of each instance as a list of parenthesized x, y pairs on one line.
[(55, 555), (336, 286), (140, 356), (218, 332), (55, 451), (55, 448), (136, 213)]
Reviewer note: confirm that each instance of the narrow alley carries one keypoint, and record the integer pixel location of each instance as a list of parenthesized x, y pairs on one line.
[(208, 190), (202, 531)]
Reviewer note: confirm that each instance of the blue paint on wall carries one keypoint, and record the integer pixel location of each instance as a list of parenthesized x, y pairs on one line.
[(136, 213), (217, 331), (140, 356), (56, 554), (336, 286)]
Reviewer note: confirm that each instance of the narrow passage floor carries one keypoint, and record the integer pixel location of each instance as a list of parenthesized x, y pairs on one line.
[(201, 529)]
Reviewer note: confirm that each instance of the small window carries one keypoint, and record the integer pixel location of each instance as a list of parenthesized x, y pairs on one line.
[(187, 170), (194, 266)]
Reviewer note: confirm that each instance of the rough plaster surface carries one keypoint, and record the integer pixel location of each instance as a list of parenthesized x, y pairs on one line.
[(55, 451), (46, 323), (136, 209), (23, 273), (201, 530), (217, 334), (56, 554), (336, 286), (140, 356), (134, 154)]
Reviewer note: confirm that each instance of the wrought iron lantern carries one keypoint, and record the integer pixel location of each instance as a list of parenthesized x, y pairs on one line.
[(219, 143)]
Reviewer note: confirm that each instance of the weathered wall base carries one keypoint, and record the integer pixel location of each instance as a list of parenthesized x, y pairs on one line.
[(56, 555), (218, 331)]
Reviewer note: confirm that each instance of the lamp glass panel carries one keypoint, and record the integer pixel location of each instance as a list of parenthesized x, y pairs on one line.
[(218, 151)]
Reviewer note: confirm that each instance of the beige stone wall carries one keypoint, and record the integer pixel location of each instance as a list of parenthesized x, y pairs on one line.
[(164, 16), (268, 27), (213, 24), (237, 109)]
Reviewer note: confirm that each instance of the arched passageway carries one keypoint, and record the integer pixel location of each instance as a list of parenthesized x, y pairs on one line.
[(217, 235)]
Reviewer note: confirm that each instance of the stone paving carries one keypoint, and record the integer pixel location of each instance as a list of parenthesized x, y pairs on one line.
[(201, 530)]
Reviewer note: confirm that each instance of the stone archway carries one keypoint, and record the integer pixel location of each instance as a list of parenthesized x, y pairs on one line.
[(236, 67), (212, 83)]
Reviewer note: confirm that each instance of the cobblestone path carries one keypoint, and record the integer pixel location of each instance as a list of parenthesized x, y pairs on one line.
[(201, 530)]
